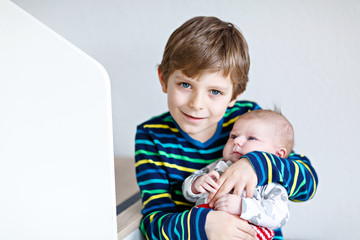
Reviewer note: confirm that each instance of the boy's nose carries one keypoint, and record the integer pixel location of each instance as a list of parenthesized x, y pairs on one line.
[(196, 102)]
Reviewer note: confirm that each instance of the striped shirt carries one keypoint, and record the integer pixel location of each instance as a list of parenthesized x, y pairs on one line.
[(165, 156)]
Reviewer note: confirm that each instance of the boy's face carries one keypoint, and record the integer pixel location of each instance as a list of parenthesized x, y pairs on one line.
[(248, 135), (198, 104)]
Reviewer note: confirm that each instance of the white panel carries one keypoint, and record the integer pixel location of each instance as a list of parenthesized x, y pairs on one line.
[(56, 147)]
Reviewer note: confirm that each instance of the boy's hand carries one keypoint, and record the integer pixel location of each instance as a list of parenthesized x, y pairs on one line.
[(206, 183), (239, 176), (229, 203), (223, 226)]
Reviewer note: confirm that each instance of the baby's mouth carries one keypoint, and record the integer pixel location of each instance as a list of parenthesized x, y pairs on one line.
[(238, 154)]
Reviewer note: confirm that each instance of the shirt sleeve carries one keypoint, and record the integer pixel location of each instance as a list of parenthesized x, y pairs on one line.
[(161, 216), (295, 173), (268, 208)]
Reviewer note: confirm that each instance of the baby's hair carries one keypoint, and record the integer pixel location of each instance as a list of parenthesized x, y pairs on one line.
[(283, 126), (208, 44)]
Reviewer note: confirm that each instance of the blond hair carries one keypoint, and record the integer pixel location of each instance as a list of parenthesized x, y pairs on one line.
[(208, 44)]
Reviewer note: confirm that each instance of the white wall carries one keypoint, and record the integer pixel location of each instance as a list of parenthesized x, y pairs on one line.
[(305, 58)]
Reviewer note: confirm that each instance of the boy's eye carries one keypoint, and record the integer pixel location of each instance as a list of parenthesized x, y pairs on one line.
[(185, 85), (215, 92), (232, 136), (251, 138)]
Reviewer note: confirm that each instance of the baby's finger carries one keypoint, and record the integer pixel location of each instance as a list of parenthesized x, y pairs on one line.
[(214, 175)]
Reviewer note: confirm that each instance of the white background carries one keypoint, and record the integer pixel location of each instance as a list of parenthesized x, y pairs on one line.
[(305, 58)]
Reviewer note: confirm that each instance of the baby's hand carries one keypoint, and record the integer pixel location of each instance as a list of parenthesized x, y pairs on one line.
[(206, 183), (229, 203)]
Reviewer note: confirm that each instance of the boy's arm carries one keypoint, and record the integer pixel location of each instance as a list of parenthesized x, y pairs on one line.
[(295, 173), (268, 208), (162, 219)]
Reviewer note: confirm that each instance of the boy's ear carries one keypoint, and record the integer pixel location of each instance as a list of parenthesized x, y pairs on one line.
[(281, 152), (232, 103), (162, 82)]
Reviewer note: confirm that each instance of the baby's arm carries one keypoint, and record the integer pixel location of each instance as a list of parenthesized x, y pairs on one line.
[(198, 183), (268, 208)]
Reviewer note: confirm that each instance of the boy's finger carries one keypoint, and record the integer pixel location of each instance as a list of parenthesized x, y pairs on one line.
[(238, 190), (250, 191), (224, 189)]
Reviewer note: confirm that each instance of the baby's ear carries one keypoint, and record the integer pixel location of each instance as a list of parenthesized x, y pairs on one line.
[(162, 81), (281, 152)]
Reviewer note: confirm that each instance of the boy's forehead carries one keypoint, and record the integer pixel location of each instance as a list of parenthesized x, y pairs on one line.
[(215, 76)]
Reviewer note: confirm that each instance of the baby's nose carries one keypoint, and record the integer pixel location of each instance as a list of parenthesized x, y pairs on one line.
[(239, 141)]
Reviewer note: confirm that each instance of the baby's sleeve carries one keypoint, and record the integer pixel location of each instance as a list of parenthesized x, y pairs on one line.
[(268, 208)]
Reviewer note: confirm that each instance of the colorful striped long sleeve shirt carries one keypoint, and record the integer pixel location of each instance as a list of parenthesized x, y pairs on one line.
[(165, 156)]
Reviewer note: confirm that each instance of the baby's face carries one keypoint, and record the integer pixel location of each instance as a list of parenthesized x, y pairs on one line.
[(248, 135)]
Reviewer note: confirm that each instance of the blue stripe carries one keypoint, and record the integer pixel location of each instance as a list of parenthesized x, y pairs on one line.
[(289, 177), (197, 225), (176, 223), (169, 227), (261, 167), (145, 142), (152, 181), (149, 171), (176, 176), (158, 207)]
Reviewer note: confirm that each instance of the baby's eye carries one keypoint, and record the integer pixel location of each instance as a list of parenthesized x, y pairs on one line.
[(215, 92), (251, 138), (232, 136), (185, 85)]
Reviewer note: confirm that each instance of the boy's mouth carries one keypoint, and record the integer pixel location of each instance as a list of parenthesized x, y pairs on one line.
[(192, 117)]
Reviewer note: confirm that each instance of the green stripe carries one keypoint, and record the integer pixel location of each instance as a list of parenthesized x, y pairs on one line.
[(185, 158), (178, 192), (242, 104), (237, 104), (178, 146), (298, 188), (182, 223), (273, 161), (175, 156), (230, 111), (146, 153), (153, 192)]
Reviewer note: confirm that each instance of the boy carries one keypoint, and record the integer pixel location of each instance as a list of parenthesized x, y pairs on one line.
[(204, 70), (258, 130)]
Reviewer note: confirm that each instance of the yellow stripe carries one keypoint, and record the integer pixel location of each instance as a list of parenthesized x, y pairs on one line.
[(188, 224), (295, 177), (171, 165), (269, 168), (166, 237), (160, 126), (156, 197), (311, 176), (183, 203), (152, 217), (230, 121)]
